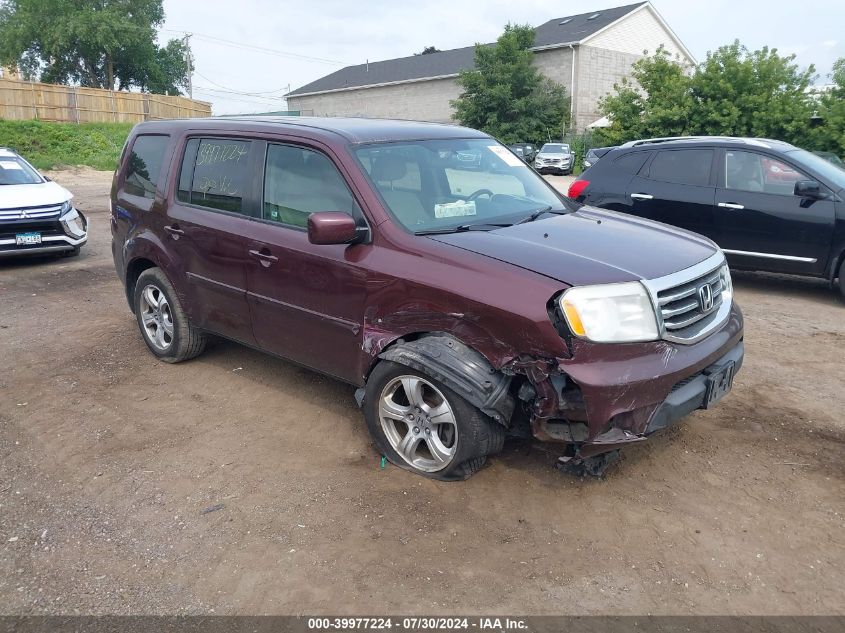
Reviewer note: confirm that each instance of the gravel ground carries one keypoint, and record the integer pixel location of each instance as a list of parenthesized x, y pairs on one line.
[(240, 484)]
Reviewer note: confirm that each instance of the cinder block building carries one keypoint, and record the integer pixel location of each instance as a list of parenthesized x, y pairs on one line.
[(586, 53)]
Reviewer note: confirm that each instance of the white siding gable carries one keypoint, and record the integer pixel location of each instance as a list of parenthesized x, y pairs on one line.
[(638, 32)]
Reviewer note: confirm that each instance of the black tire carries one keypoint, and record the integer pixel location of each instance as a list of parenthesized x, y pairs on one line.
[(477, 435), (842, 278), (186, 341)]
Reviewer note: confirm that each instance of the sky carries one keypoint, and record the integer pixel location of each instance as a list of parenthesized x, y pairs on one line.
[(248, 53)]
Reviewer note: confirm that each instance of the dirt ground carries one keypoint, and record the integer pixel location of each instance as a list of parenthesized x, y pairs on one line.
[(241, 484)]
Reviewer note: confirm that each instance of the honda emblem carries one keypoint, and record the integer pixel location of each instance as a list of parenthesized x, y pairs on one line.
[(705, 298)]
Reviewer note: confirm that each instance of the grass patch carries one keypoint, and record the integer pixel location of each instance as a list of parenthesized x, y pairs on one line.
[(55, 145)]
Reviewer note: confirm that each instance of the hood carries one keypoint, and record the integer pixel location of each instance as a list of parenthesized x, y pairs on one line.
[(590, 246), (37, 195)]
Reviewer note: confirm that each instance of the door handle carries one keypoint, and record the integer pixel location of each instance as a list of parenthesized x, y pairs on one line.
[(174, 231), (731, 205), (265, 258), (642, 196)]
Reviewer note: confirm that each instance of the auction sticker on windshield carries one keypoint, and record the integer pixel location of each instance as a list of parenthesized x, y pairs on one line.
[(454, 209), (506, 155)]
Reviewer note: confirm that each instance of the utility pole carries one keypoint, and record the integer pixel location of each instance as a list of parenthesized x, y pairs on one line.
[(189, 59)]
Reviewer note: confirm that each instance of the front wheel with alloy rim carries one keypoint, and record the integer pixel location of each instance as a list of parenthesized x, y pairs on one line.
[(423, 426), (164, 325)]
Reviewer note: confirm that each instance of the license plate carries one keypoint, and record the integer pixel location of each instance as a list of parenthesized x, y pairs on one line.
[(23, 239), (719, 383)]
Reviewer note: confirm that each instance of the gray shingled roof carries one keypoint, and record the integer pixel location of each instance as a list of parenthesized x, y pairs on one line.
[(565, 30)]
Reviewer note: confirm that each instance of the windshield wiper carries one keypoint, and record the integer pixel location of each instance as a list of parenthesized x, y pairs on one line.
[(536, 214), (480, 226)]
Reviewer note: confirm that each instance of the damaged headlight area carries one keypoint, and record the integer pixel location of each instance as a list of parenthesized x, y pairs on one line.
[(610, 313), (73, 223)]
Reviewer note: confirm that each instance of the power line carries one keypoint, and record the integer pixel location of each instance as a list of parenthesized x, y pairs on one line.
[(239, 92), (226, 92), (261, 49), (210, 92)]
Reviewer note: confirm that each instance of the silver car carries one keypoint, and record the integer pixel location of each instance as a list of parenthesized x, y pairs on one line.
[(555, 158)]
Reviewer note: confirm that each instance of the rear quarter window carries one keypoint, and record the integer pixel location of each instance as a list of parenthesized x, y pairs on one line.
[(631, 163), (143, 169)]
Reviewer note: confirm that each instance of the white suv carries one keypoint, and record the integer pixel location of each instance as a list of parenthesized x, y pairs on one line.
[(37, 216), (555, 158)]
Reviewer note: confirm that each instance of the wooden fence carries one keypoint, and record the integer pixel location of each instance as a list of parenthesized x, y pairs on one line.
[(50, 102)]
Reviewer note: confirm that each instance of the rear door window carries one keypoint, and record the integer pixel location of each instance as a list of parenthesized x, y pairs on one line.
[(144, 166), (216, 174), (682, 166)]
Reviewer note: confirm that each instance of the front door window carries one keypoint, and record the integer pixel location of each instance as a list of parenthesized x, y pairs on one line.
[(749, 171)]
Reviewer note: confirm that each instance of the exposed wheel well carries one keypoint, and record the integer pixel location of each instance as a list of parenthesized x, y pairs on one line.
[(133, 271), (461, 368)]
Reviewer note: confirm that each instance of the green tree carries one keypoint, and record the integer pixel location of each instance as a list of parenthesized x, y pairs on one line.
[(734, 92), (831, 135), (95, 43), (656, 102), (737, 92), (506, 96)]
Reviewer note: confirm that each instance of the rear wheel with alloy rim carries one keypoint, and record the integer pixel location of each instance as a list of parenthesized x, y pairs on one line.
[(156, 318), (164, 325), (421, 425)]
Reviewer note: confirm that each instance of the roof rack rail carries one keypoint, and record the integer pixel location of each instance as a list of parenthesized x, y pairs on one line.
[(666, 139), (762, 142)]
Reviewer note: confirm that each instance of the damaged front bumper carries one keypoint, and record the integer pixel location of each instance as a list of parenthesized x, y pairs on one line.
[(606, 397)]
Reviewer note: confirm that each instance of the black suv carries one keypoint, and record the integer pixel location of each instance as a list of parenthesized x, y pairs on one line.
[(769, 205)]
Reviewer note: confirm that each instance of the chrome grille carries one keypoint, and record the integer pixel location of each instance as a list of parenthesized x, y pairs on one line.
[(30, 213), (692, 303), (682, 307)]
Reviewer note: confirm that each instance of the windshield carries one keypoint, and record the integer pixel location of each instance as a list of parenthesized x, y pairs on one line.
[(554, 148), (449, 183), (827, 170), (15, 171)]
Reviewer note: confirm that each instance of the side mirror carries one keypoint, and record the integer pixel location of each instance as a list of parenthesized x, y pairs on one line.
[(808, 189), (332, 227)]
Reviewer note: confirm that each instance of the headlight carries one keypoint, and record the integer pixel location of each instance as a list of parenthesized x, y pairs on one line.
[(610, 313), (72, 222), (727, 284), (67, 207)]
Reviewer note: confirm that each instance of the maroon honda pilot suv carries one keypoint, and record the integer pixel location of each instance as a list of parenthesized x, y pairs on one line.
[(465, 301)]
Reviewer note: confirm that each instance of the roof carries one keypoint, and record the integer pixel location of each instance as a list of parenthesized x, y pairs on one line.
[(353, 130), (554, 33)]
